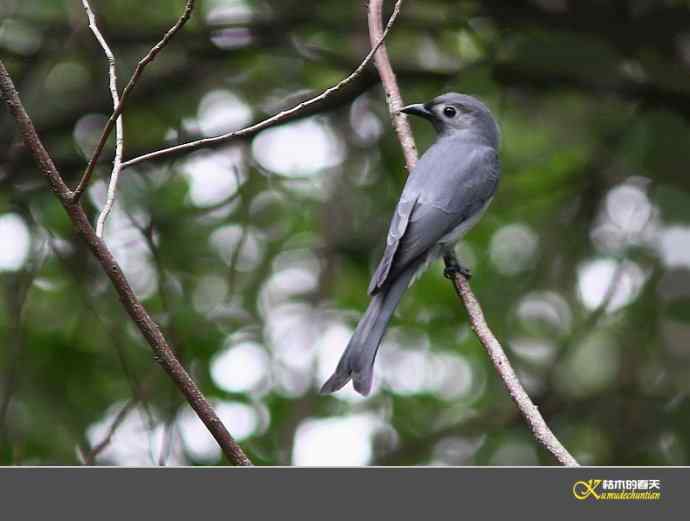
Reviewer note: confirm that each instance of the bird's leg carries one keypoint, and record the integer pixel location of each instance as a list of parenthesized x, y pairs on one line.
[(453, 266)]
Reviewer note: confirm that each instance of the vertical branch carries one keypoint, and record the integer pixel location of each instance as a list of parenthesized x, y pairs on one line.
[(493, 347), (119, 130), (390, 85)]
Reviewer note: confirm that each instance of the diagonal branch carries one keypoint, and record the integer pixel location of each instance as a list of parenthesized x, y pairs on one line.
[(119, 130), (276, 118), (150, 56), (90, 456), (493, 347), (531, 413), (162, 352)]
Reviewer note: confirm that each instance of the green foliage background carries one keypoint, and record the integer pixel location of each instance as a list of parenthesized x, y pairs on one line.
[(581, 264)]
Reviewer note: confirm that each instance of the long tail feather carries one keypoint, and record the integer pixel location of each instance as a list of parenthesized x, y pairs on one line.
[(357, 362)]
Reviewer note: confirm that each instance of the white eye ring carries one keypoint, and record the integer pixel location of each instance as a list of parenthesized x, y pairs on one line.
[(449, 111)]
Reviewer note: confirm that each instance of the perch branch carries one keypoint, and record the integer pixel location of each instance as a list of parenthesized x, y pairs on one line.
[(493, 347), (531, 413), (276, 118), (162, 352)]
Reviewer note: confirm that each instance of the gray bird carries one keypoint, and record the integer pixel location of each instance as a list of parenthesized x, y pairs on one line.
[(445, 195)]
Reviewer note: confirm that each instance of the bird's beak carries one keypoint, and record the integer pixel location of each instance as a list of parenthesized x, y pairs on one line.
[(417, 109)]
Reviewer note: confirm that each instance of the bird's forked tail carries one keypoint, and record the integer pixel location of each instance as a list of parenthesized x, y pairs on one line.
[(357, 362)]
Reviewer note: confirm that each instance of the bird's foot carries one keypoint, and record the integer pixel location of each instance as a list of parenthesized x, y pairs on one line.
[(454, 268)]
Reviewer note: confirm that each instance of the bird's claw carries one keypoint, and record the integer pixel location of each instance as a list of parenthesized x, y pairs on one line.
[(455, 269)]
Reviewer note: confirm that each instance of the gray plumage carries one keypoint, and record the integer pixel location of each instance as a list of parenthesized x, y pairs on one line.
[(445, 195)]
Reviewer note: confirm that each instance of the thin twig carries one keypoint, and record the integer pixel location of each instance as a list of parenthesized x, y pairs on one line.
[(150, 56), (276, 118), (90, 456), (119, 128), (167, 443), (162, 352), (493, 347)]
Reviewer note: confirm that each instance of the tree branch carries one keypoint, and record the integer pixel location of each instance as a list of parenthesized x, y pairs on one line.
[(90, 456), (498, 357), (276, 118), (493, 347), (390, 86), (119, 130), (162, 352), (150, 56)]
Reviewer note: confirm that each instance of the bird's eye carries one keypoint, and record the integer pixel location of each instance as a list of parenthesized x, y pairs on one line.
[(449, 112)]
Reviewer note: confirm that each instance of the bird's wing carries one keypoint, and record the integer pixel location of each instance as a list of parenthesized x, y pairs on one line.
[(448, 186)]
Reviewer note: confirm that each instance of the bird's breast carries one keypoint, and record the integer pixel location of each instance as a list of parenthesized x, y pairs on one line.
[(461, 229)]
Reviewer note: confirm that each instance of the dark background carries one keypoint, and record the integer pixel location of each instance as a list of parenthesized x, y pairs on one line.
[(255, 257)]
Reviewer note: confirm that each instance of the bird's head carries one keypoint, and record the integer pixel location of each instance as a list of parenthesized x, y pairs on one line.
[(454, 113)]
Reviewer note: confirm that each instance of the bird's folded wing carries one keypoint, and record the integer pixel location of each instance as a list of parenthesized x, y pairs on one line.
[(439, 196)]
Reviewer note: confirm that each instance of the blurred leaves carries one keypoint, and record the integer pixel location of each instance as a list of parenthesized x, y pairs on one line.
[(255, 257)]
